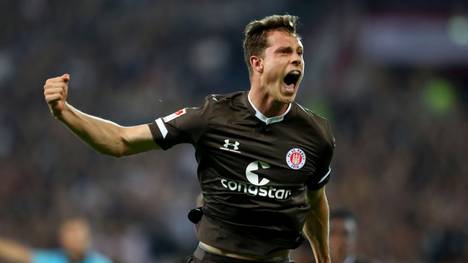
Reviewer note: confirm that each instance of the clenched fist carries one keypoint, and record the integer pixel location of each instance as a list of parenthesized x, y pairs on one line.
[(55, 93)]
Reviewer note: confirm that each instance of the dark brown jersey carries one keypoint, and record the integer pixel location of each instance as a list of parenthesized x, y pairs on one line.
[(254, 171)]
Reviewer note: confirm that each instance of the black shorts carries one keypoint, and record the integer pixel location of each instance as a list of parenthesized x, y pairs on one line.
[(201, 256)]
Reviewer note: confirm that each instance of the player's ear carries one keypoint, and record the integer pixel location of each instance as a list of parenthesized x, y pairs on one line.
[(256, 62)]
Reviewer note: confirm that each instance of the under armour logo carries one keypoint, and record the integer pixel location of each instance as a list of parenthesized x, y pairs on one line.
[(230, 146), (235, 145)]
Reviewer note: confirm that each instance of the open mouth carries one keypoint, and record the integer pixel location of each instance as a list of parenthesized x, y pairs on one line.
[(291, 79)]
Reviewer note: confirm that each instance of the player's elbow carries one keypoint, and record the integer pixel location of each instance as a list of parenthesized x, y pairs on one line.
[(116, 144), (118, 154), (115, 147), (114, 152), (124, 144), (121, 150)]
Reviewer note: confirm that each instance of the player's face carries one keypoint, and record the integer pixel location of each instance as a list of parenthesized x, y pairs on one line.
[(341, 239), (283, 66), (75, 237)]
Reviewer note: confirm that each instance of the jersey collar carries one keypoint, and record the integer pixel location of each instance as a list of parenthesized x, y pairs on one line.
[(265, 119)]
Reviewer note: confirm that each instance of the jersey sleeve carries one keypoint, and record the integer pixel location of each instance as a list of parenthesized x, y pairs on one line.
[(319, 181), (322, 175), (98, 258), (183, 126), (47, 256)]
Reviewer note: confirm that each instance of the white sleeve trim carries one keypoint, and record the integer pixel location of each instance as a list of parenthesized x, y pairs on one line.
[(162, 127), (325, 176)]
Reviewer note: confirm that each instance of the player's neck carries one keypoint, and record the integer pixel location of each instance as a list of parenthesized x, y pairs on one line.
[(266, 104)]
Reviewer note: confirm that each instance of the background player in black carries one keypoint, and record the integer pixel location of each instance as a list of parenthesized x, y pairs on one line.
[(343, 237), (273, 52)]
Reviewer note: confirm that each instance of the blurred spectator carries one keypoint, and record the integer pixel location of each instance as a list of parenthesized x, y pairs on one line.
[(75, 240), (343, 240), (344, 237), (446, 246)]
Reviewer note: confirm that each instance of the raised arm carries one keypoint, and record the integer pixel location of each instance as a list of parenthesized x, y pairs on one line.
[(316, 226), (104, 136), (14, 252)]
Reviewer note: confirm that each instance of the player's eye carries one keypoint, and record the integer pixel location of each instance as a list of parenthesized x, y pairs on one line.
[(285, 50)]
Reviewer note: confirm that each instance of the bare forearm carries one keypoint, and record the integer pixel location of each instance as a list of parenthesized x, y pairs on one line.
[(13, 252), (316, 227), (102, 135)]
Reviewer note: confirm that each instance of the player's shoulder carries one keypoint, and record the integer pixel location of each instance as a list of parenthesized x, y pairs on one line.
[(224, 103), (311, 116), (48, 256), (224, 98), (316, 122), (96, 257)]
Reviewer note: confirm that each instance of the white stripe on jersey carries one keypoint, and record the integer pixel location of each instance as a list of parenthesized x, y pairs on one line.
[(325, 176), (162, 127)]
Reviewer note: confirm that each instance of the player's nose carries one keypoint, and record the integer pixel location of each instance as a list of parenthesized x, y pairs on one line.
[(296, 60)]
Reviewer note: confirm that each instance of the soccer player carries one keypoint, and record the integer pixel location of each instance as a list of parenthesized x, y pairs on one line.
[(74, 237), (343, 237), (263, 160)]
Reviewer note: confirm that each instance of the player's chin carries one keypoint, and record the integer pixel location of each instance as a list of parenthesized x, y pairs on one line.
[(287, 97)]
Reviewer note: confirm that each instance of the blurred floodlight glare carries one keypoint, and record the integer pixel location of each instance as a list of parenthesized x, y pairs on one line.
[(458, 30), (406, 39)]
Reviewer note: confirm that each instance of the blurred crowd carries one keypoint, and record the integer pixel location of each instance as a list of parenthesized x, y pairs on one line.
[(400, 125)]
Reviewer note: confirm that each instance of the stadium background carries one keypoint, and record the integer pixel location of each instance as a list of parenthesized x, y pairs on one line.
[(391, 76)]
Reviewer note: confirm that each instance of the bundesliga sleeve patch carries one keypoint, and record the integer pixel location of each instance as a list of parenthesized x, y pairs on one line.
[(160, 122), (175, 115), (296, 158)]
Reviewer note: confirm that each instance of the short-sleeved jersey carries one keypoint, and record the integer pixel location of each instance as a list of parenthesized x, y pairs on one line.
[(59, 256), (254, 171)]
